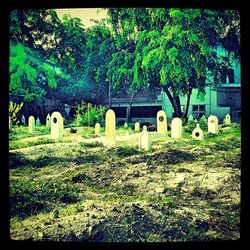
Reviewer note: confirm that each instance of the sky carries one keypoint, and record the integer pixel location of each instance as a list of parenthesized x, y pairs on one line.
[(84, 13)]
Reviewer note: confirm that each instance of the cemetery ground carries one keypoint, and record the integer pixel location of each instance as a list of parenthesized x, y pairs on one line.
[(180, 190)]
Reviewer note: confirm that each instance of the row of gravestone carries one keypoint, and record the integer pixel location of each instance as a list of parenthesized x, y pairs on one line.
[(55, 122), (176, 128)]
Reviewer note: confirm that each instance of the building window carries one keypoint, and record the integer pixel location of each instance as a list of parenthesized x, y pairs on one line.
[(199, 111), (230, 74), (227, 75)]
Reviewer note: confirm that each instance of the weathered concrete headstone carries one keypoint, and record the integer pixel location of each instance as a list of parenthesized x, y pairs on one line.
[(56, 126), (38, 123), (48, 121), (212, 124), (176, 128), (125, 125), (227, 119), (110, 128), (31, 123), (144, 139), (127, 133), (197, 133), (161, 122), (97, 128), (23, 120), (190, 118), (79, 139), (137, 126)]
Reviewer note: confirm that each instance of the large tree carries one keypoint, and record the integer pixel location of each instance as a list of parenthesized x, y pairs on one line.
[(175, 46)]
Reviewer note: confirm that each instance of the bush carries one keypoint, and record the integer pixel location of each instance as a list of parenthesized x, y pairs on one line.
[(191, 125), (13, 110), (87, 114)]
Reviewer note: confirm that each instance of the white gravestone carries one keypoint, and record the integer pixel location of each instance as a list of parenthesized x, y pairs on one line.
[(227, 119), (190, 118), (56, 125), (125, 125), (31, 122), (127, 134), (110, 127), (48, 121), (38, 123), (161, 122), (176, 128), (144, 139), (213, 124), (97, 128), (79, 139), (197, 133), (137, 126), (23, 120)]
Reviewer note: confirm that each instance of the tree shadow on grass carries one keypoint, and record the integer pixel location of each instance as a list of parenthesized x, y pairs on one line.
[(17, 160), (165, 157)]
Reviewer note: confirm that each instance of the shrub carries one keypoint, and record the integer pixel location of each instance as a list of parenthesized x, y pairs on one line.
[(190, 126), (86, 114), (14, 108)]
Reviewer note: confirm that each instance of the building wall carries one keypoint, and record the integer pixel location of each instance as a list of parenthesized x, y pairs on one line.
[(209, 100)]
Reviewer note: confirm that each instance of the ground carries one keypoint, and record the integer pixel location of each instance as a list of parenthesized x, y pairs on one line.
[(73, 190)]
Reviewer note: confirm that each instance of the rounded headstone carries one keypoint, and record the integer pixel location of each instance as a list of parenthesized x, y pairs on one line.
[(212, 124), (137, 126), (97, 128), (31, 123), (176, 128), (110, 127), (144, 139), (56, 125), (161, 122), (227, 119)]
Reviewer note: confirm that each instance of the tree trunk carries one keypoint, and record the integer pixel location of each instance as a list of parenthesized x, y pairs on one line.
[(187, 105), (129, 107), (178, 103), (110, 99), (175, 101)]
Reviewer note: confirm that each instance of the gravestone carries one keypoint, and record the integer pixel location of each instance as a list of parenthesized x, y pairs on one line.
[(79, 139), (38, 123), (137, 126), (227, 119), (31, 122), (176, 128), (144, 139), (161, 122), (127, 133), (23, 120), (110, 127), (213, 124), (190, 118), (197, 133), (125, 125), (48, 121), (97, 128), (56, 126)]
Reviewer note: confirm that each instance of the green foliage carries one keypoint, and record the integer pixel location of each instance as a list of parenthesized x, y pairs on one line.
[(14, 108), (29, 76), (191, 125), (87, 114)]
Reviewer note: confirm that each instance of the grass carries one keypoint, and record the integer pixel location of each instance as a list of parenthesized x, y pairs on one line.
[(181, 190)]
